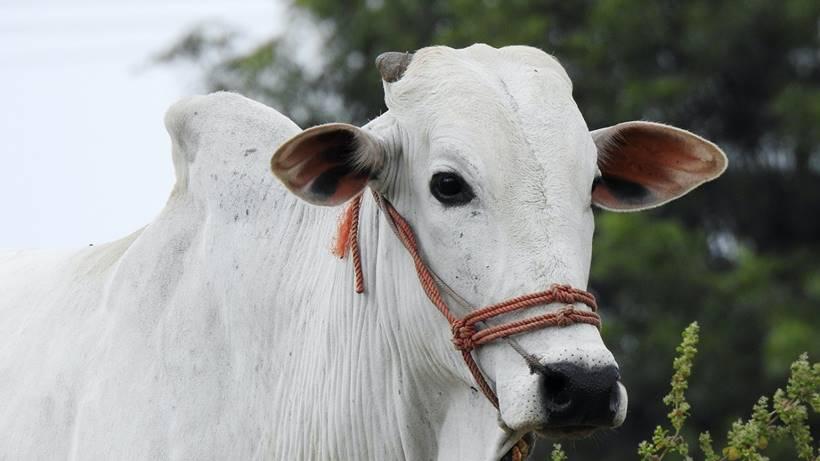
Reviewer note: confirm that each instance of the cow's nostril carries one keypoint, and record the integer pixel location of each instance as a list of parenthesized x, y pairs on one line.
[(614, 399), (555, 390), (575, 395), (553, 382), (562, 398)]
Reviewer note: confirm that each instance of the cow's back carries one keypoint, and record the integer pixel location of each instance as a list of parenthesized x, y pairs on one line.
[(51, 317)]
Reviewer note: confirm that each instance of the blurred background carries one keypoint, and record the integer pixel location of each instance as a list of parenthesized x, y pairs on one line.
[(740, 255), (85, 156)]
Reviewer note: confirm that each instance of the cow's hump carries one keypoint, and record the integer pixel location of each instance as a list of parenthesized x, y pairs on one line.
[(222, 140)]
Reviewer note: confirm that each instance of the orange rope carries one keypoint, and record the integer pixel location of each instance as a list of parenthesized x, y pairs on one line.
[(466, 337), (520, 450), (342, 242), (354, 244)]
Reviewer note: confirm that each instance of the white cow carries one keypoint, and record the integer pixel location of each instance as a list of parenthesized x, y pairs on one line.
[(226, 330)]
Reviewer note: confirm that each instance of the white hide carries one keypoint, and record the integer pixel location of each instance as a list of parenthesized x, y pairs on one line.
[(226, 330)]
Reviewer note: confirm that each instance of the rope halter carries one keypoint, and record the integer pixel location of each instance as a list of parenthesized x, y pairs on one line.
[(466, 334)]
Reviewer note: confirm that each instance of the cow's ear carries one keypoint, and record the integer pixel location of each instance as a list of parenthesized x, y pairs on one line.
[(645, 164), (328, 164)]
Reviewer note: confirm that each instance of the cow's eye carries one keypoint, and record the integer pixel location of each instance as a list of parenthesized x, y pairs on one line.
[(450, 189)]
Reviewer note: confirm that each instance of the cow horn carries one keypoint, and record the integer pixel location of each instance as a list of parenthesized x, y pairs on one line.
[(393, 64)]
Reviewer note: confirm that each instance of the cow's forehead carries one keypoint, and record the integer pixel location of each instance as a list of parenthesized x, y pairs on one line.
[(513, 101), (479, 74), (437, 61)]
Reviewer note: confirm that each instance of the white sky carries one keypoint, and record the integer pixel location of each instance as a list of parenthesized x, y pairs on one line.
[(84, 153)]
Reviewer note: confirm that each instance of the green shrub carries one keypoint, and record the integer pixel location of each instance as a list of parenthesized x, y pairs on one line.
[(783, 417)]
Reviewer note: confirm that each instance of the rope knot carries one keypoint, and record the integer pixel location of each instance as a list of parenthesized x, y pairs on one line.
[(563, 294), (463, 335), (565, 316)]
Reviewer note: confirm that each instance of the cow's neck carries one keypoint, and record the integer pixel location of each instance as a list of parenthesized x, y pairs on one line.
[(372, 375)]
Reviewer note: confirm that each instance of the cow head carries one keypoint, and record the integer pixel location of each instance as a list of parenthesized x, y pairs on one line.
[(486, 154)]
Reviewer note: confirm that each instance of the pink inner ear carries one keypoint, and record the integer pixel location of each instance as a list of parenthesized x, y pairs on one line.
[(304, 158), (646, 164), (318, 165)]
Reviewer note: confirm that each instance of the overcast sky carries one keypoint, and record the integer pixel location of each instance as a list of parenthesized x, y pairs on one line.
[(85, 156)]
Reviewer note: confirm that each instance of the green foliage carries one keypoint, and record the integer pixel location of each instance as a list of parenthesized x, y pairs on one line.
[(756, 308), (558, 453), (662, 441), (746, 440)]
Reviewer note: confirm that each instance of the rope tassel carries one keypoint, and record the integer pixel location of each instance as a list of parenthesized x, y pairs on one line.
[(347, 238)]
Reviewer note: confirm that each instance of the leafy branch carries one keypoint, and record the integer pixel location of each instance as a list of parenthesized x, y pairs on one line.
[(662, 441)]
